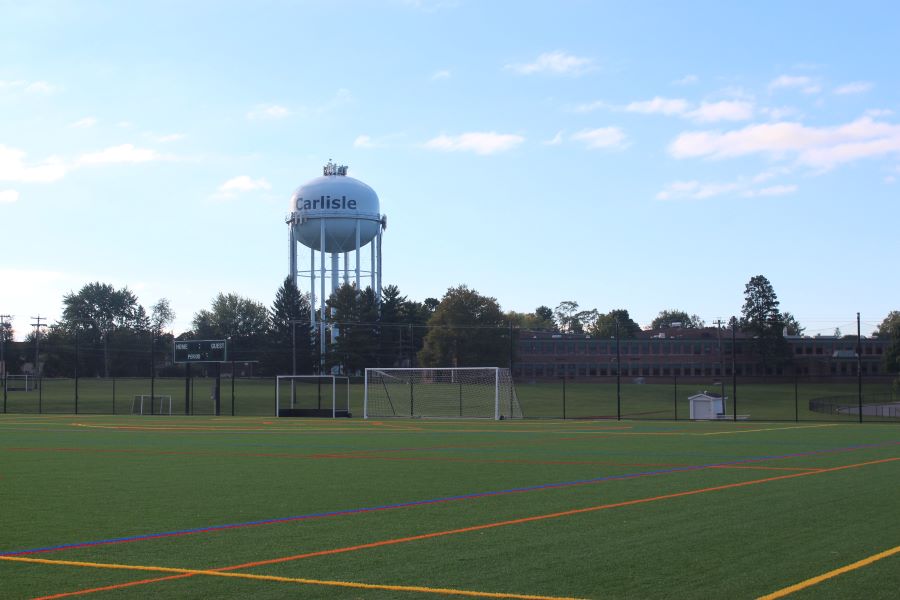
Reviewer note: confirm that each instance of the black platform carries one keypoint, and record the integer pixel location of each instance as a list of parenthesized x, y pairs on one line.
[(312, 412)]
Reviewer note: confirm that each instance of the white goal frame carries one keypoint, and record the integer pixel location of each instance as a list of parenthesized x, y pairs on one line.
[(27, 379), (139, 399), (334, 379), (504, 400)]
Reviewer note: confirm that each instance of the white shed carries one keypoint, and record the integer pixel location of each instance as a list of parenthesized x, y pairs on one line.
[(707, 406)]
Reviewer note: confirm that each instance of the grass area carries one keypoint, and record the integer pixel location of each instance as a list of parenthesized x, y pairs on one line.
[(584, 509), (549, 400)]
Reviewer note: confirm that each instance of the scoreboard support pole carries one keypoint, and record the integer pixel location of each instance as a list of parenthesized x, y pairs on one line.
[(187, 388), (218, 389)]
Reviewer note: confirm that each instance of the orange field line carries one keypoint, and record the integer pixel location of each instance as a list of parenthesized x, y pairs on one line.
[(301, 580), (825, 576), (425, 536)]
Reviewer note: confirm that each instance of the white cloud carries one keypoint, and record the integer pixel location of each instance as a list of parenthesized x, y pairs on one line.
[(592, 106), (442, 74), (124, 153), (555, 141), (40, 87), (29, 87), (855, 87), (818, 147), (8, 196), (603, 137), (779, 112), (890, 179), (687, 80), (707, 112), (479, 142), (363, 141), (241, 184), (84, 123), (662, 106), (775, 190), (14, 168), (557, 62), (879, 112), (726, 110), (806, 84), (268, 111), (697, 190)]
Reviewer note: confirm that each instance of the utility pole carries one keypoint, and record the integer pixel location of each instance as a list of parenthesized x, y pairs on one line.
[(719, 323), (37, 342), (4, 319)]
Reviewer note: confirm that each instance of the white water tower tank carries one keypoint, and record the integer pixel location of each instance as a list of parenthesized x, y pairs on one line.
[(341, 202)]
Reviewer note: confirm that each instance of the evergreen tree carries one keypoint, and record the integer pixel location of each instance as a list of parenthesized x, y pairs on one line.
[(290, 333), (761, 318)]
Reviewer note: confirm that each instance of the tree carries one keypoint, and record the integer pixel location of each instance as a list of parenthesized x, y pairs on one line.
[(605, 326), (761, 318), (889, 325), (289, 332), (98, 310), (431, 304), (890, 329), (791, 324), (665, 318), (355, 313), (161, 315), (466, 330), (242, 320), (566, 314), (544, 314), (535, 321)]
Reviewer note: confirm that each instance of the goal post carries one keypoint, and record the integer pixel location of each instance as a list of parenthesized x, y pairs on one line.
[(312, 396), (151, 405), (453, 393)]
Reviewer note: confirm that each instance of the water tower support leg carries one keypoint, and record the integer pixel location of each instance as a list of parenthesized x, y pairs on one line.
[(357, 254), (312, 288)]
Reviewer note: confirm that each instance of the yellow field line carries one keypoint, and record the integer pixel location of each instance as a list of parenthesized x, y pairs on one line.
[(820, 578), (325, 582), (769, 429)]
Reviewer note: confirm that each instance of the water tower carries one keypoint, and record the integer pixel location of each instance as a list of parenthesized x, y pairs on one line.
[(337, 215)]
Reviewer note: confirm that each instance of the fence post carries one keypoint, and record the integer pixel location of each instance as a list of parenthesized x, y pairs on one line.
[(675, 395), (796, 400), (232, 387), (40, 395), (564, 397)]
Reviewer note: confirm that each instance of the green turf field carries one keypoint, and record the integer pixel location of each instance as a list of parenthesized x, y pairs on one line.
[(201, 507)]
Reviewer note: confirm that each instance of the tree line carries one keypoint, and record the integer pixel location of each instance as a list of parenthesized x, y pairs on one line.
[(105, 331)]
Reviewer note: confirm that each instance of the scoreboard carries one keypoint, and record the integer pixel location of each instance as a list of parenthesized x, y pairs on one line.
[(201, 351)]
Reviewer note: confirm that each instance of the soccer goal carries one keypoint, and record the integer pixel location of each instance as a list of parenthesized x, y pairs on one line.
[(312, 396), (151, 405), (459, 393), (19, 383)]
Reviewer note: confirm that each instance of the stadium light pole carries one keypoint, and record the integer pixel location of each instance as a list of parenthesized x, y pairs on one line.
[(3, 322)]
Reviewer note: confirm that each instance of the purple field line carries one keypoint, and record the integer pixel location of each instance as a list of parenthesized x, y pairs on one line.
[(352, 511)]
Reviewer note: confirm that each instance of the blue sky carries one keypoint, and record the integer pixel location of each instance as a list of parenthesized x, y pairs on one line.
[(639, 155)]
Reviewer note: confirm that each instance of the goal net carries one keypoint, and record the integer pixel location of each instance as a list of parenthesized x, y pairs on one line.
[(463, 392), (312, 396), (151, 405)]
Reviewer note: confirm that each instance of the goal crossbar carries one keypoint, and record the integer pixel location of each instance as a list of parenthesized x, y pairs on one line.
[(451, 392)]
